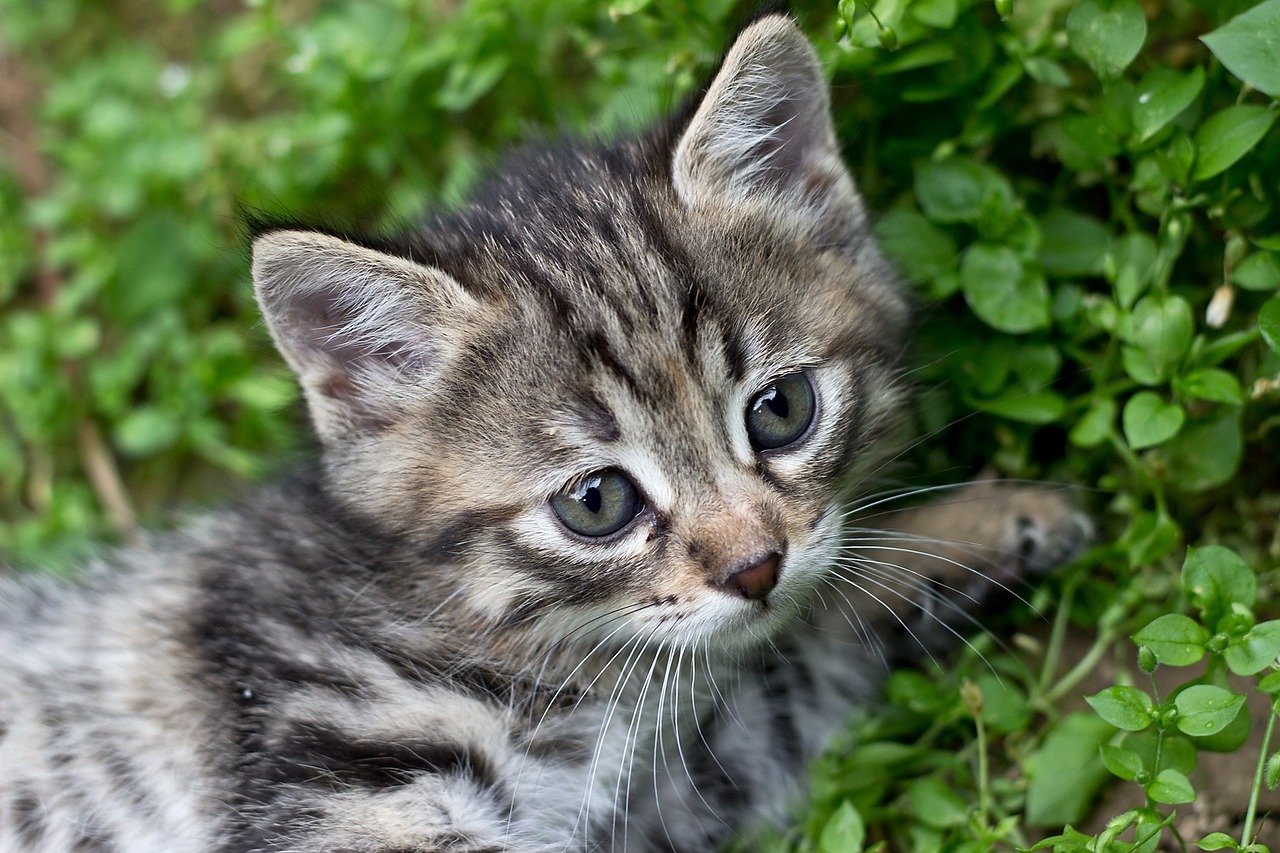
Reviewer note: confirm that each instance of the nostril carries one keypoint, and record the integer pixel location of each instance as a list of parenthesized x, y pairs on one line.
[(756, 579)]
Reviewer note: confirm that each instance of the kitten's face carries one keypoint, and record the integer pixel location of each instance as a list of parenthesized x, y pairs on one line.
[(632, 387)]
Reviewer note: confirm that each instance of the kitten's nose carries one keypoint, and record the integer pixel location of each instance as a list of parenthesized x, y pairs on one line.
[(755, 579)]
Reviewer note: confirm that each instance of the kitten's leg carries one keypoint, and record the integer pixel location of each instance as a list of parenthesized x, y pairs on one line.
[(923, 575)]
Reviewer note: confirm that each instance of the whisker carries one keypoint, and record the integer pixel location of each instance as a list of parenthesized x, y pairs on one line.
[(923, 646)]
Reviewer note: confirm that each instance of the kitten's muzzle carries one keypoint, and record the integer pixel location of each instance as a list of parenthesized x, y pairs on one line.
[(755, 579)]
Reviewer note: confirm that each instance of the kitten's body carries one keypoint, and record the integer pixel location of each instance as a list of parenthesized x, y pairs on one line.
[(416, 647)]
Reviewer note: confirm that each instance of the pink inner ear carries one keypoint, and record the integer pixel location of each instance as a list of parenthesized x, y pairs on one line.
[(791, 154), (351, 342)]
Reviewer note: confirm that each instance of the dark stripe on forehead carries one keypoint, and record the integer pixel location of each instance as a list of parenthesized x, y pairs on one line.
[(688, 288), (692, 310), (621, 248), (598, 351), (598, 418), (732, 351)]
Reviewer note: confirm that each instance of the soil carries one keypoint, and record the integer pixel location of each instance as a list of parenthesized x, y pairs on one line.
[(1222, 780)]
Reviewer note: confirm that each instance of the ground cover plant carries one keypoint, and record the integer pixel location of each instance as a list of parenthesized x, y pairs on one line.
[(1084, 194)]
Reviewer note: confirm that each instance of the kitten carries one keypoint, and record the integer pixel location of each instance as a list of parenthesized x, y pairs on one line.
[(577, 570)]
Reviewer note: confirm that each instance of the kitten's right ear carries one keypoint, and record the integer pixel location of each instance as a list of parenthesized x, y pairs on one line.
[(762, 136), (365, 332)]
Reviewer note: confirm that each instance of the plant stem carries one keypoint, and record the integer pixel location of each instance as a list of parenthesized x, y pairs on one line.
[(1106, 634), (1257, 778), (984, 770), (1060, 622)]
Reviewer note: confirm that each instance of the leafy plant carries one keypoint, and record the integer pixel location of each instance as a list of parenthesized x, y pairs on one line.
[(1085, 195)]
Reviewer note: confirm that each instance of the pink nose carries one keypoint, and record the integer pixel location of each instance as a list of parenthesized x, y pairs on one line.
[(756, 579)]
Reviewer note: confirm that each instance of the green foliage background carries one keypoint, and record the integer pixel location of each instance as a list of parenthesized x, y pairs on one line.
[(1086, 195)]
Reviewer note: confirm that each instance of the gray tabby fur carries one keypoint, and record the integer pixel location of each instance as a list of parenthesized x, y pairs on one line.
[(404, 650)]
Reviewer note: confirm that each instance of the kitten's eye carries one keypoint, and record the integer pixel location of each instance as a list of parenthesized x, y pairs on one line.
[(600, 504), (781, 413)]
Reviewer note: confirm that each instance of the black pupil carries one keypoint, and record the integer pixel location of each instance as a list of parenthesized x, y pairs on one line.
[(777, 403), (781, 413), (601, 504)]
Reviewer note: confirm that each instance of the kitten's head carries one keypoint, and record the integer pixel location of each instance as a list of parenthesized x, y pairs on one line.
[(630, 384)]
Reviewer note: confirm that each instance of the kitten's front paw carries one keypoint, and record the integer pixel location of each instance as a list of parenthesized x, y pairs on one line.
[(975, 547), (1001, 533), (1037, 528)]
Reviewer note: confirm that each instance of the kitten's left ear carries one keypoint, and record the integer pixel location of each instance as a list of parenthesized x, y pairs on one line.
[(367, 333), (763, 135)]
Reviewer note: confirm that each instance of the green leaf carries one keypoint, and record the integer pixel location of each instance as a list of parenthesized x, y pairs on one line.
[(1148, 420), (1162, 327), (1217, 841), (1149, 537), (1227, 135), (1106, 34), (1001, 291), (955, 190), (940, 14), (1230, 738), (935, 804), (147, 430), (468, 82), (1047, 71), (1133, 257), (913, 691), (1072, 244), (1260, 271), (1222, 348), (921, 250), (623, 8), (1206, 453), (1034, 407), (1066, 771), (154, 265), (1160, 750), (1162, 95), (1005, 708), (1171, 787), (844, 832), (1269, 323), (1214, 578), (1256, 650), (1211, 383), (78, 338), (1085, 143), (1174, 639), (1249, 46), (1124, 763), (1094, 426), (920, 56), (1125, 708), (1205, 709)]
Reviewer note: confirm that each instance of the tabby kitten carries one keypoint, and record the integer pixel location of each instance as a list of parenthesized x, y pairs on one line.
[(577, 570)]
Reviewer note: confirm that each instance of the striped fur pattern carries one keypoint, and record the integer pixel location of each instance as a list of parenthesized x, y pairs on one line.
[(406, 648)]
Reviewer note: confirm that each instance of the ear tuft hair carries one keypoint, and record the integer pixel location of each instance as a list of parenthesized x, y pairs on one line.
[(763, 135), (364, 331)]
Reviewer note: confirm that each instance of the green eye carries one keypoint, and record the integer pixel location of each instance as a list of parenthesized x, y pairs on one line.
[(781, 413), (601, 503)]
